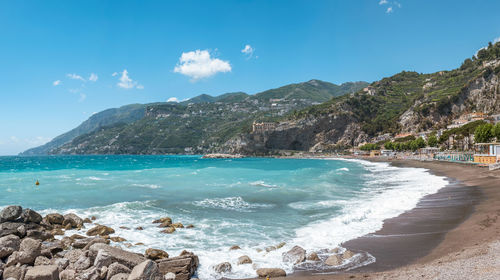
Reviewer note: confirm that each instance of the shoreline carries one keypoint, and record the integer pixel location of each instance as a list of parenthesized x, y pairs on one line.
[(444, 230)]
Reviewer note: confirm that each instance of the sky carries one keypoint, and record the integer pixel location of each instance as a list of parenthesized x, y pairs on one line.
[(62, 61)]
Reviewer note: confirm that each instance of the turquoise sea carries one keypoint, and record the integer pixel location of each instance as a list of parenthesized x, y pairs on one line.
[(251, 202)]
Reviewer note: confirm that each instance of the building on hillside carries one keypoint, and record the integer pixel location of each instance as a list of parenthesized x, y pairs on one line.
[(369, 90), (487, 153), (495, 118), (467, 118), (383, 137), (374, 153), (263, 126)]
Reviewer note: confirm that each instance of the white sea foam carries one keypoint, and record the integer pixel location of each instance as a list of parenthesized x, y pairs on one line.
[(343, 169), (150, 186), (262, 184), (230, 203)]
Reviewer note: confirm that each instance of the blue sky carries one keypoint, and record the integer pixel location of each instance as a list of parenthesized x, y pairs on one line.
[(61, 61)]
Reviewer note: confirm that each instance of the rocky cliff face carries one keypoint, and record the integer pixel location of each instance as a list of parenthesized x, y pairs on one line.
[(406, 102)]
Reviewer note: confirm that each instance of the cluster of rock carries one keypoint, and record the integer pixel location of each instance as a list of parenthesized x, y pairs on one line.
[(296, 256), (168, 226), (29, 251)]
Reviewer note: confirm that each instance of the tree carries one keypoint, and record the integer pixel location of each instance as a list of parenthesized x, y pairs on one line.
[(432, 141), (389, 145), (420, 142), (496, 131), (483, 133)]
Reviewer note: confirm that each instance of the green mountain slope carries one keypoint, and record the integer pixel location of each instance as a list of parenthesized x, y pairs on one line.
[(203, 123)]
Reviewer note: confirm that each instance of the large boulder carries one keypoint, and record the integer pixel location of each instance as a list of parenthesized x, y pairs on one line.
[(271, 272), (8, 245), (54, 219), (30, 216), (39, 234), (85, 243), (117, 268), (296, 255), (100, 230), (147, 270), (68, 274), (334, 260), (15, 272), (183, 266), (120, 276), (167, 220), (313, 257), (42, 260), (42, 272), (223, 267), (82, 263), (28, 251), (244, 260), (126, 258), (156, 254), (102, 259), (72, 220), (10, 213)]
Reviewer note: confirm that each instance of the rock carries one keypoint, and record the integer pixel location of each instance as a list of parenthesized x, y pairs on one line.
[(347, 254), (77, 236), (335, 250), (31, 216), (334, 260), (165, 224), (183, 266), (296, 255), (54, 219), (163, 220), (73, 220), (29, 249), (234, 247), (170, 276), (223, 267), (155, 254), (120, 276), (95, 241), (100, 230), (10, 213), (92, 273), (177, 225), (87, 242), (271, 272), (68, 274), (126, 258), (87, 221), (190, 226), (15, 272), (39, 234), (244, 260), (42, 272), (168, 230), (9, 244), (270, 248), (117, 239), (57, 231), (82, 263), (313, 257), (73, 255), (93, 218), (147, 270), (124, 227), (279, 246), (139, 228), (139, 244), (117, 268), (102, 259), (61, 263), (42, 260), (104, 273)]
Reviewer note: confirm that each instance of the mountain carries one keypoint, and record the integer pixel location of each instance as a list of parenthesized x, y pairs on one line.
[(124, 115), (202, 123), (406, 102)]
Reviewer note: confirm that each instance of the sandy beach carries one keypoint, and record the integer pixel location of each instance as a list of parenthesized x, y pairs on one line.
[(453, 234)]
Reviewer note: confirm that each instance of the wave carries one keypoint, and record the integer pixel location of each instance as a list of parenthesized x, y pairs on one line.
[(230, 203), (343, 169), (263, 184), (150, 186)]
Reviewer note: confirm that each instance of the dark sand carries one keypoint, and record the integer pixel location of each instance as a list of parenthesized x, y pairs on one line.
[(443, 226)]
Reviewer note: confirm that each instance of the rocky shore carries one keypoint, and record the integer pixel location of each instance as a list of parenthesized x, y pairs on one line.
[(30, 251)]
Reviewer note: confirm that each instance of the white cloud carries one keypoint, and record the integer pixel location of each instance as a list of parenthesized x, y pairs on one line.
[(114, 74), (248, 50), (173, 99), (75, 77), (496, 40), (198, 64), (93, 77), (126, 82), (56, 83), (389, 10), (383, 2)]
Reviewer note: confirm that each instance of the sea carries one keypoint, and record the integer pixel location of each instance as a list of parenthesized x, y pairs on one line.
[(254, 203)]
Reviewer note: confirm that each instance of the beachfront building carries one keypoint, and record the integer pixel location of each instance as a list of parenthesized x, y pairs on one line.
[(263, 126), (495, 118), (487, 153), (374, 153)]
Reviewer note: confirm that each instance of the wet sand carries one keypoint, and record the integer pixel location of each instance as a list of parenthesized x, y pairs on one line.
[(457, 225)]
